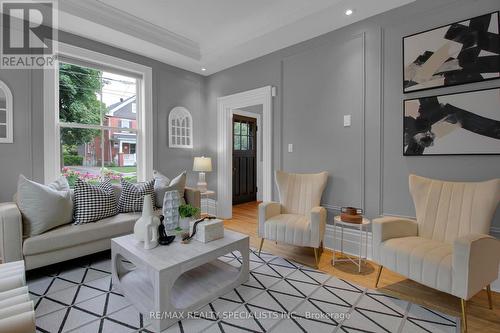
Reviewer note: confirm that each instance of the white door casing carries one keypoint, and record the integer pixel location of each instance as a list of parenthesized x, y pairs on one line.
[(225, 107)]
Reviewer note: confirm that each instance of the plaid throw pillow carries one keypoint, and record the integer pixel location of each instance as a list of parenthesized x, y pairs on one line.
[(93, 202), (132, 196)]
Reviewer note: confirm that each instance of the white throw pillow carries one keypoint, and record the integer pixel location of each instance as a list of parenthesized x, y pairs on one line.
[(163, 185), (160, 179), (44, 207)]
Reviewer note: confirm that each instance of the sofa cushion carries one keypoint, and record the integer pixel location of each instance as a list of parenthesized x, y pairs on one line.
[(44, 206), (93, 202), (70, 235), (421, 259), (165, 185), (132, 195)]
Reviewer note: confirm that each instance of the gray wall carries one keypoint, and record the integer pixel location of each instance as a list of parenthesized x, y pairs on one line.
[(171, 87), (355, 70), (318, 81)]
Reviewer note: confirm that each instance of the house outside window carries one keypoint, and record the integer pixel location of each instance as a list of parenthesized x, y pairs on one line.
[(98, 128)]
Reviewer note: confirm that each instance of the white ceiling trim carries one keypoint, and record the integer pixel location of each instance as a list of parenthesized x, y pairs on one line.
[(124, 22), (96, 20)]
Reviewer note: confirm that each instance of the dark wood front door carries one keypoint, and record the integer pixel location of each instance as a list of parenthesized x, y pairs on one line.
[(244, 159)]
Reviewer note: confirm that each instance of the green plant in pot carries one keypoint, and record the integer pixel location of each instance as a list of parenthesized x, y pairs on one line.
[(187, 214)]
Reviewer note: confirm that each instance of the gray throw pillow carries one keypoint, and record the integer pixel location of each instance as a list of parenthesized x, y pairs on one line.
[(44, 207), (178, 183)]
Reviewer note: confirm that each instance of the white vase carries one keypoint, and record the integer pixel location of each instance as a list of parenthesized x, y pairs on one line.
[(146, 227), (171, 202), (184, 222)]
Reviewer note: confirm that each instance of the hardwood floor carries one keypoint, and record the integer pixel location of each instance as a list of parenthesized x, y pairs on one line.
[(480, 318)]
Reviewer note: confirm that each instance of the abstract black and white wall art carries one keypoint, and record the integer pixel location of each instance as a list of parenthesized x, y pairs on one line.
[(454, 124), (462, 52)]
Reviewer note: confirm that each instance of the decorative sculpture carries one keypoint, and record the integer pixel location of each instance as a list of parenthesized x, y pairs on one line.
[(171, 204), (146, 227), (163, 238)]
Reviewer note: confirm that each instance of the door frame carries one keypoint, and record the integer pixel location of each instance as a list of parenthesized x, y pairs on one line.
[(225, 107), (258, 118)]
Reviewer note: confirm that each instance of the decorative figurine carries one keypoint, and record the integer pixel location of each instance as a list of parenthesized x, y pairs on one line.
[(146, 227), (163, 238)]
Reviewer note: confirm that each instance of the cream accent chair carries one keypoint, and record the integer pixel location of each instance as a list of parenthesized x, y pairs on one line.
[(298, 218), (448, 247)]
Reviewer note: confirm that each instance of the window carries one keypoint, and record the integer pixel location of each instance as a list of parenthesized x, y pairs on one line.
[(95, 108), (6, 116), (141, 122), (243, 136), (125, 123), (180, 128)]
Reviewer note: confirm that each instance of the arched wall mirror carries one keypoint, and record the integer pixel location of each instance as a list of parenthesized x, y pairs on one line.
[(180, 128), (6, 116)]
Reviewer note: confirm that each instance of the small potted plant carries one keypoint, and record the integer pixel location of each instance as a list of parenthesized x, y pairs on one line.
[(187, 213)]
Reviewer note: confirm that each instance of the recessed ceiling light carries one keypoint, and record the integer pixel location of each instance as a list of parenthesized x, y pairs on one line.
[(203, 69), (349, 12)]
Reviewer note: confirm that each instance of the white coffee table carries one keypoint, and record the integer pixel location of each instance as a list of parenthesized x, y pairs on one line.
[(177, 278)]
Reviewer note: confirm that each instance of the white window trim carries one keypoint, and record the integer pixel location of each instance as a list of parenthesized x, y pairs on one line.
[(171, 133), (9, 116), (51, 110)]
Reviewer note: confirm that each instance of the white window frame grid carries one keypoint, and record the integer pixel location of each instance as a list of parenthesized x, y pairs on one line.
[(180, 128), (52, 126), (125, 123), (9, 116)]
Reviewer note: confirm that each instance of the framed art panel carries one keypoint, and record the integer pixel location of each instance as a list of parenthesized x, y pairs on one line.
[(458, 53), (454, 124)]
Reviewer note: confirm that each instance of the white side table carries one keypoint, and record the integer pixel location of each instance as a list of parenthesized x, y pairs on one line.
[(206, 195), (363, 230)]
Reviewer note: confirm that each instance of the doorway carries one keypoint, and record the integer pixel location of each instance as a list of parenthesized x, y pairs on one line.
[(227, 107), (244, 159)]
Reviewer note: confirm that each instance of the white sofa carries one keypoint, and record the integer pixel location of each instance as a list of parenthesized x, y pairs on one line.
[(65, 242), (448, 247)]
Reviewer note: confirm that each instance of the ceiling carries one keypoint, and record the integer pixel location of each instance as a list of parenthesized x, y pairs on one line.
[(211, 34)]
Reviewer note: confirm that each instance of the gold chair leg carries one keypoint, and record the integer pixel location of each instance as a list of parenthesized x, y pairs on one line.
[(261, 243), (490, 300), (379, 273), (316, 257), (464, 315)]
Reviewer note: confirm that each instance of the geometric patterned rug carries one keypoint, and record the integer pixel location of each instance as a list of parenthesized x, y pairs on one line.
[(280, 296)]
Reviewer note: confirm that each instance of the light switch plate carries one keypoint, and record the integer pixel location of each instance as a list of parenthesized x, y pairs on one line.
[(290, 147), (347, 120)]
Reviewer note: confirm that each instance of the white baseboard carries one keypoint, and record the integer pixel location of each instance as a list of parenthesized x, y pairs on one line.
[(351, 245)]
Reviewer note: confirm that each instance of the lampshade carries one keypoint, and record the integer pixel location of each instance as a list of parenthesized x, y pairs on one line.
[(202, 164)]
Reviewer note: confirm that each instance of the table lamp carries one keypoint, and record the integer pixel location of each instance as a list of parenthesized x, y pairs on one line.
[(202, 164)]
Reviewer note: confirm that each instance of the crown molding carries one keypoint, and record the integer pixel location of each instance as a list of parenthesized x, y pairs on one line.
[(119, 20)]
